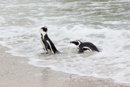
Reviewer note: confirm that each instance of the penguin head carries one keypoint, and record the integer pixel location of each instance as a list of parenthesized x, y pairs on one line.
[(76, 42), (44, 29)]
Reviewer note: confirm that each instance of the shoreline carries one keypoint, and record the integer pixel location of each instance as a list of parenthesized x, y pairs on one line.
[(16, 72)]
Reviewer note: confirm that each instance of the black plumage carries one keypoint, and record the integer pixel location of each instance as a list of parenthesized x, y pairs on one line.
[(83, 46), (47, 43)]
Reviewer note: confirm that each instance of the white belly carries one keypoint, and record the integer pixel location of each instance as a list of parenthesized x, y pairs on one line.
[(43, 33), (49, 51), (42, 44)]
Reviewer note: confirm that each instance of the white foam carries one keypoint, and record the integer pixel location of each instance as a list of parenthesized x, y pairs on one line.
[(2, 20), (67, 22)]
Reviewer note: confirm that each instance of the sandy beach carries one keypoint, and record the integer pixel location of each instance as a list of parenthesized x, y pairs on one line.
[(16, 72)]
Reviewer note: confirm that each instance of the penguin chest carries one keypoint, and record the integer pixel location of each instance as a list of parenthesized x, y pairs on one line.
[(42, 43)]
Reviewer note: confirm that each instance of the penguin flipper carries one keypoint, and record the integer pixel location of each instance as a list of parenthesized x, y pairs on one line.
[(46, 45), (80, 51)]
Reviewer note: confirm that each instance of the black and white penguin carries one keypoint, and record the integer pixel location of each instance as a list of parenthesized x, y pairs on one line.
[(85, 46), (46, 42)]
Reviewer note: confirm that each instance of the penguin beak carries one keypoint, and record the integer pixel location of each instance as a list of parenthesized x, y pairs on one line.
[(74, 42), (71, 41)]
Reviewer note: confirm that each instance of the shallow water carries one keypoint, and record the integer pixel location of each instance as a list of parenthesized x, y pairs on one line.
[(103, 22)]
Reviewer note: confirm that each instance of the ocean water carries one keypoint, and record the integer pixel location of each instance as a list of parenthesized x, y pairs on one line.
[(105, 23)]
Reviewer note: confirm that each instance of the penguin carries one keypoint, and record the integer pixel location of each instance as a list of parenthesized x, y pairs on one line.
[(85, 46), (46, 42)]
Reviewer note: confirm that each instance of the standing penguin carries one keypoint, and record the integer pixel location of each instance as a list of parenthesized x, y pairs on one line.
[(84, 46), (47, 43)]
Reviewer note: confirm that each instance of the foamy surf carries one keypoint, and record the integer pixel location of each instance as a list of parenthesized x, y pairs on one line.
[(105, 24)]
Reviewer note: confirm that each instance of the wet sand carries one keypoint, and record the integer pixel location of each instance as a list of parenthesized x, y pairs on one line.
[(16, 72)]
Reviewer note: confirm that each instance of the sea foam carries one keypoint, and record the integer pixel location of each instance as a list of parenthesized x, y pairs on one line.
[(67, 21)]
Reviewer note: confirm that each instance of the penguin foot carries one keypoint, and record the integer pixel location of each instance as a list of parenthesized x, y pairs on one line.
[(47, 52)]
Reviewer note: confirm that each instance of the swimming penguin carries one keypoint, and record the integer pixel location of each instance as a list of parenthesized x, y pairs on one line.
[(47, 44), (85, 46)]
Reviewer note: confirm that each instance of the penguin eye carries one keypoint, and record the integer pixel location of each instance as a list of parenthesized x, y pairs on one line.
[(45, 29), (76, 43)]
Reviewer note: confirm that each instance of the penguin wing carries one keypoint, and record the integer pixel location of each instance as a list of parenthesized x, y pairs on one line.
[(53, 46), (46, 45)]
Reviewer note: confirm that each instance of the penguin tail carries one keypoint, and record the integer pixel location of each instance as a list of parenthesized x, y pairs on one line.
[(96, 49), (58, 52)]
